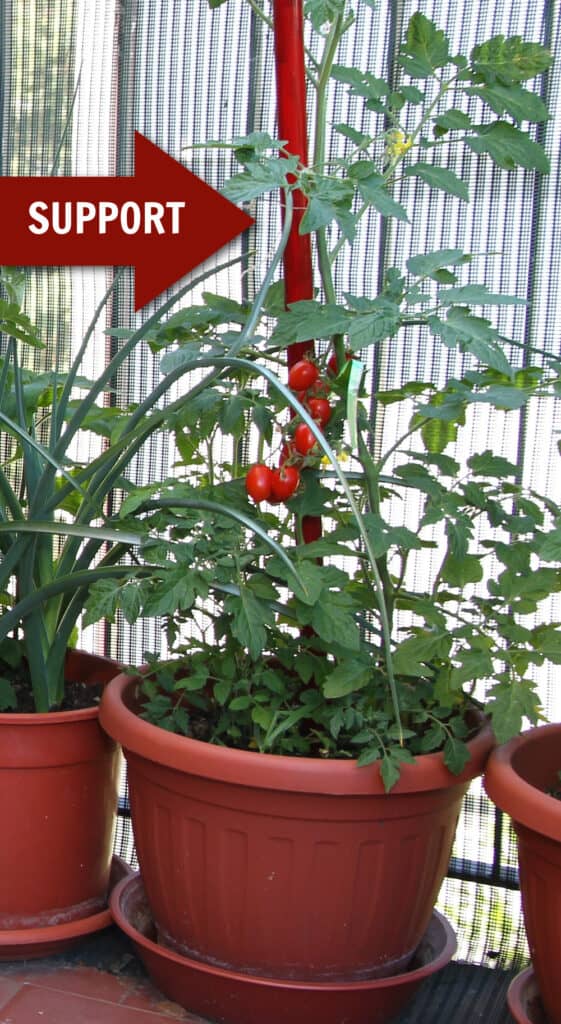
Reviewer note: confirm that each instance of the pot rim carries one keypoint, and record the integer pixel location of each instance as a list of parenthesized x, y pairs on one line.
[(275, 771), (92, 664), (525, 803)]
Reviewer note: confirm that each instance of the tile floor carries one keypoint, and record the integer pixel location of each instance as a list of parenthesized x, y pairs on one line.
[(101, 982)]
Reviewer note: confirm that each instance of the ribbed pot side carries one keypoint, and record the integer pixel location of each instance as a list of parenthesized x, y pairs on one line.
[(517, 779), (283, 866), (58, 799)]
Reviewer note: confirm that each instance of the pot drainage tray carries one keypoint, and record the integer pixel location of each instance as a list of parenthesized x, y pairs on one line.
[(523, 999), (234, 998), (31, 943)]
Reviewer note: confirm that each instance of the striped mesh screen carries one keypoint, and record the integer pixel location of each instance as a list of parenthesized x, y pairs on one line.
[(78, 76)]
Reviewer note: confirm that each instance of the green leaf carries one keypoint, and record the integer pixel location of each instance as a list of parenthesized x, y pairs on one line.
[(312, 578), (550, 546), (477, 294), (475, 666), (322, 12), (310, 319), (425, 49), (249, 617), (319, 212), (509, 147), (260, 177), (368, 328), (547, 640), (453, 120), (458, 572), (508, 60), (359, 138), (390, 772), (376, 195), (437, 434), (439, 178), (520, 103), (222, 690), (426, 264), (509, 705), (502, 396), (103, 601), (363, 83), (335, 623), (413, 655), (488, 464), (347, 677), (383, 536), (456, 755), (474, 333), (130, 602)]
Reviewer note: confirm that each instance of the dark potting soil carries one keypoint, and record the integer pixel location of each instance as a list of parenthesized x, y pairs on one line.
[(77, 696)]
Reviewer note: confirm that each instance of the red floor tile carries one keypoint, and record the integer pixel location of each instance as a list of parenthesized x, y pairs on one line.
[(34, 1004), (8, 988), (145, 996), (81, 981)]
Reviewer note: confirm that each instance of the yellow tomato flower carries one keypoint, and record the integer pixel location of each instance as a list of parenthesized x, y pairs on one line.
[(342, 456), (398, 144)]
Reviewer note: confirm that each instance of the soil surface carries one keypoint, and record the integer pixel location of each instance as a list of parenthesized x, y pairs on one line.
[(77, 696)]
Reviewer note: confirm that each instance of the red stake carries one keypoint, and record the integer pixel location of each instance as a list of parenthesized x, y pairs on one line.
[(292, 126)]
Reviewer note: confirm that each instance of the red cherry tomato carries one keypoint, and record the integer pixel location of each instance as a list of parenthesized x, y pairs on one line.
[(320, 410), (285, 481), (258, 482), (304, 439), (302, 375)]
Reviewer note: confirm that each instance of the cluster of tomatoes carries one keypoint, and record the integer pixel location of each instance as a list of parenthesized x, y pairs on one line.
[(273, 485)]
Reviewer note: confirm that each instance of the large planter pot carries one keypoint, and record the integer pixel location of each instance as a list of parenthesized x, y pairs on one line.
[(58, 798), (519, 774), (285, 866)]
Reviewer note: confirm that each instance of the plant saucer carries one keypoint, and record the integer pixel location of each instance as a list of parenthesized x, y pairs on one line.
[(32, 943), (235, 998), (523, 999)]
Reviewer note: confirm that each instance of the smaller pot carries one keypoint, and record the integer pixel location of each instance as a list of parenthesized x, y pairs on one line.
[(59, 775), (518, 777)]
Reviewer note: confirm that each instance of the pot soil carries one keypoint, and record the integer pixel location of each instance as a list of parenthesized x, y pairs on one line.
[(284, 866), (58, 798), (519, 778)]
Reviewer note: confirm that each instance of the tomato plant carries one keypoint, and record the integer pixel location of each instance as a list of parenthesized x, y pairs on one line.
[(258, 482), (302, 375), (284, 482)]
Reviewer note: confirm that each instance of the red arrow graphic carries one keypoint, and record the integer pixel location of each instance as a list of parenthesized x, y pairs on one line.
[(164, 221)]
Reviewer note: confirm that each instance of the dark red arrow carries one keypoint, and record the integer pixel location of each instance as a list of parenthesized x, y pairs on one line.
[(164, 221)]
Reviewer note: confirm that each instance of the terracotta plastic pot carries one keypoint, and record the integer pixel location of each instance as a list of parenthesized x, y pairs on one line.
[(58, 799), (285, 866), (234, 998), (517, 779)]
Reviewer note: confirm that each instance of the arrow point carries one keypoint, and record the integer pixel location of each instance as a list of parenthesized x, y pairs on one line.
[(207, 222)]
